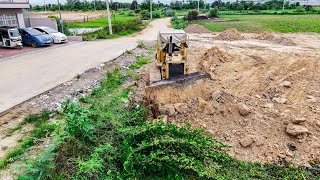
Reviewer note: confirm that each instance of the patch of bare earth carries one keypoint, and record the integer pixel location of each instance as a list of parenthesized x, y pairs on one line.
[(69, 16), (195, 28), (263, 97), (230, 35)]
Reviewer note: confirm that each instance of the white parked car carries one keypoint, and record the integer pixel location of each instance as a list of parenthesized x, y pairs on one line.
[(57, 37)]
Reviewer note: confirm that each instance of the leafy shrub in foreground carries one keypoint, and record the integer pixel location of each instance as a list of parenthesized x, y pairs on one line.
[(77, 123), (158, 150)]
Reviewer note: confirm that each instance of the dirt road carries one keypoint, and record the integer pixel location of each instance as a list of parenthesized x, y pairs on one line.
[(26, 76)]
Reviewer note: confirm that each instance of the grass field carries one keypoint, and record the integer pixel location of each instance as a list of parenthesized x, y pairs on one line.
[(276, 23), (102, 22), (269, 11)]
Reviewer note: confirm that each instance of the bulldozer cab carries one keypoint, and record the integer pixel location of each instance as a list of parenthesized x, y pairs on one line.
[(171, 55)]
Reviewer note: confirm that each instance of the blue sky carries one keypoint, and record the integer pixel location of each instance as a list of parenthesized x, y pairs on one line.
[(40, 2)]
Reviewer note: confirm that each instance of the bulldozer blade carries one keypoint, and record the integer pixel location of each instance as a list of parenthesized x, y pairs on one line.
[(178, 89), (182, 80)]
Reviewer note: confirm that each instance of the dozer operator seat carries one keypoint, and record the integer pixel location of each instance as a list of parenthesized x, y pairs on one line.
[(171, 54)]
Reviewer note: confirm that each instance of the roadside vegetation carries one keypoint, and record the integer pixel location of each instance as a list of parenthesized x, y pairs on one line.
[(103, 22), (119, 29)]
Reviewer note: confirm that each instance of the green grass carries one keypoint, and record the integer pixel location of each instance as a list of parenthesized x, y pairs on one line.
[(120, 29), (178, 23), (102, 22), (140, 62), (268, 11), (42, 127), (103, 34), (274, 23)]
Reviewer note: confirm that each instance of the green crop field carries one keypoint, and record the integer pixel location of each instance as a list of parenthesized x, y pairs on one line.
[(102, 22), (275, 23)]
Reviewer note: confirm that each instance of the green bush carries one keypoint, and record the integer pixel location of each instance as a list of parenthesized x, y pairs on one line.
[(166, 151), (192, 15), (214, 12), (299, 9), (168, 13), (117, 28), (78, 124), (145, 15), (178, 23), (156, 14), (308, 8), (134, 24)]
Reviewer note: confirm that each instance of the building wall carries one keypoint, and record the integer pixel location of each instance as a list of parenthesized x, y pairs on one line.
[(17, 12), (48, 22), (15, 4)]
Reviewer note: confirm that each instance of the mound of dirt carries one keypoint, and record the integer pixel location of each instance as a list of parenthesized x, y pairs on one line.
[(264, 36), (283, 41), (230, 35), (261, 100), (276, 39), (196, 29), (211, 59)]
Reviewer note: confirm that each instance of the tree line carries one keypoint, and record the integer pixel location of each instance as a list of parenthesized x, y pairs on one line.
[(238, 5), (77, 5)]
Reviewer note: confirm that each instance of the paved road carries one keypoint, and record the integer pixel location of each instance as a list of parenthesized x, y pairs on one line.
[(26, 76)]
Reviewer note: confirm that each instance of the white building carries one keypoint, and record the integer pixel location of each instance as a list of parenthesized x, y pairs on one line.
[(11, 12)]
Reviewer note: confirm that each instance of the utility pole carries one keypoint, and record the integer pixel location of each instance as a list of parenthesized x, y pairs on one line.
[(94, 5), (283, 5), (45, 6), (150, 9), (109, 17), (61, 22), (198, 5)]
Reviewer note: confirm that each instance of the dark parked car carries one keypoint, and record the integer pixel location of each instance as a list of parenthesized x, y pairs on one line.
[(34, 37)]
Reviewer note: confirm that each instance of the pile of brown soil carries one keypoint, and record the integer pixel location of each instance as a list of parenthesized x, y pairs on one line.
[(211, 59), (264, 36), (261, 100), (195, 28), (276, 39), (283, 41), (230, 35)]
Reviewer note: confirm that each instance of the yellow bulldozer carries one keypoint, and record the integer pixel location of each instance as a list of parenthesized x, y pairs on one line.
[(175, 82), (171, 58), (171, 55)]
